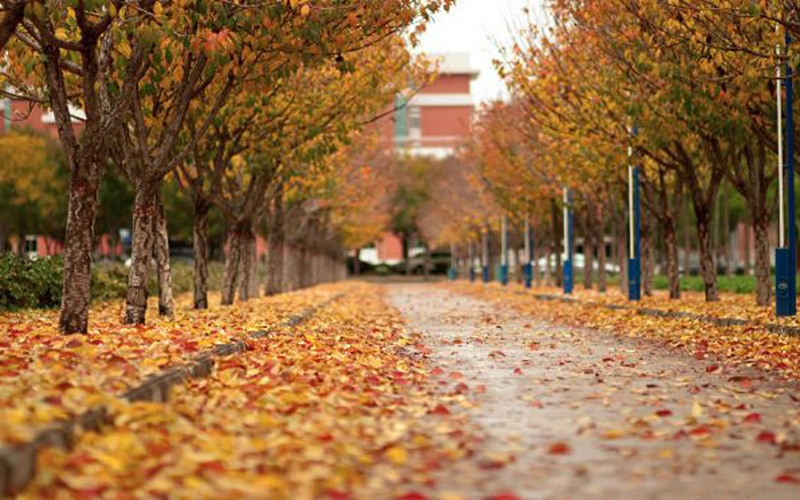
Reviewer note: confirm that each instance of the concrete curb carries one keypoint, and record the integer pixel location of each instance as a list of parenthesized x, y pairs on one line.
[(771, 327), (18, 463)]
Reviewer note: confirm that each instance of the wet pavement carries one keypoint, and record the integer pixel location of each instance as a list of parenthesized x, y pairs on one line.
[(576, 414)]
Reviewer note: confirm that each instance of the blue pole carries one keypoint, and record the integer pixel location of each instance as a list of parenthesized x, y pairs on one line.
[(529, 253), (790, 183), (635, 259), (485, 257), (504, 250), (569, 242), (786, 258), (471, 266)]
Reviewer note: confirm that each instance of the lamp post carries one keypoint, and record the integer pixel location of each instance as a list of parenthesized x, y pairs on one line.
[(504, 250), (528, 252), (470, 262), (785, 254), (569, 240), (485, 257), (635, 227)]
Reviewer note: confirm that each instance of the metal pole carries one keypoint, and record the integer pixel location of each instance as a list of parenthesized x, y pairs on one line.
[(528, 252), (790, 181), (486, 253), (568, 242), (504, 250), (781, 199), (786, 257), (452, 271), (635, 225), (471, 262)]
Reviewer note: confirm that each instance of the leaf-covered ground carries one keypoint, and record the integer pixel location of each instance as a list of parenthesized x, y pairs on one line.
[(750, 345), (577, 413), (340, 407), (46, 376)]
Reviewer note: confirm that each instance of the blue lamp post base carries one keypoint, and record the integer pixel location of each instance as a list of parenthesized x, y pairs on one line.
[(568, 282), (528, 275), (784, 303), (504, 274), (634, 280), (486, 274)]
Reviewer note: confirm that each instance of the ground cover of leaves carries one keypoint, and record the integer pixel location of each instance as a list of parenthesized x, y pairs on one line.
[(45, 376), (730, 305), (341, 407), (750, 345)]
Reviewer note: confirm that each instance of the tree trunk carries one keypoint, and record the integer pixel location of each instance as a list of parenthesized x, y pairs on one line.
[(687, 249), (556, 241), (252, 280), (763, 284), (166, 304), (275, 259), (406, 242), (357, 263), (144, 215), (247, 261), (426, 262), (748, 268), (588, 256), (200, 248), (622, 255), (726, 230), (707, 262), (232, 275), (671, 244), (84, 186), (600, 245), (647, 255)]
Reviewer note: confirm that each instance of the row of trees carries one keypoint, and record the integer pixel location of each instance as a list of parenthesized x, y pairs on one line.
[(684, 89), (243, 103)]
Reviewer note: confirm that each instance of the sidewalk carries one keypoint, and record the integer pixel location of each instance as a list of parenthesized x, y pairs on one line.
[(751, 344)]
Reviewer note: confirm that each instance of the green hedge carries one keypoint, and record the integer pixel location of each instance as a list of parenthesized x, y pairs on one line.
[(26, 284)]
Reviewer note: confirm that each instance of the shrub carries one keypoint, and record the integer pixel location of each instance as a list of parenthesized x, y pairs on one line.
[(26, 284), (29, 283)]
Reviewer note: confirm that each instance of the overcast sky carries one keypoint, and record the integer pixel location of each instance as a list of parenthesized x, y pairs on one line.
[(476, 26)]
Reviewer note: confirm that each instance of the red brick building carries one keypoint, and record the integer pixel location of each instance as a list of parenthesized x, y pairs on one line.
[(430, 122), (22, 115)]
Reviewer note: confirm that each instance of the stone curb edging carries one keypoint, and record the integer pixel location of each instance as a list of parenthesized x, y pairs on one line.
[(771, 327), (18, 463)]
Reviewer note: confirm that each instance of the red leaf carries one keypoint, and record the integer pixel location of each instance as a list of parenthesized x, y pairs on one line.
[(505, 496), (456, 375), (517, 371), (766, 437), (461, 388), (753, 418), (413, 495), (437, 371), (559, 449), (787, 478), (664, 413), (712, 368), (440, 410)]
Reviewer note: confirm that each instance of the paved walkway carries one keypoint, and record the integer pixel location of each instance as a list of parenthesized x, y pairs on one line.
[(578, 414)]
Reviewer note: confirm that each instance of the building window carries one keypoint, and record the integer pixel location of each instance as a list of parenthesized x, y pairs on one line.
[(414, 122), (30, 246)]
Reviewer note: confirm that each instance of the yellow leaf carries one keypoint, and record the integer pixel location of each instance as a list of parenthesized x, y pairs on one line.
[(397, 455)]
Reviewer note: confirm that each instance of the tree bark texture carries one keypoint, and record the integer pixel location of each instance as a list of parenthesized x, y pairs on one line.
[(232, 275), (166, 304), (145, 210), (200, 251), (707, 262), (84, 187)]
